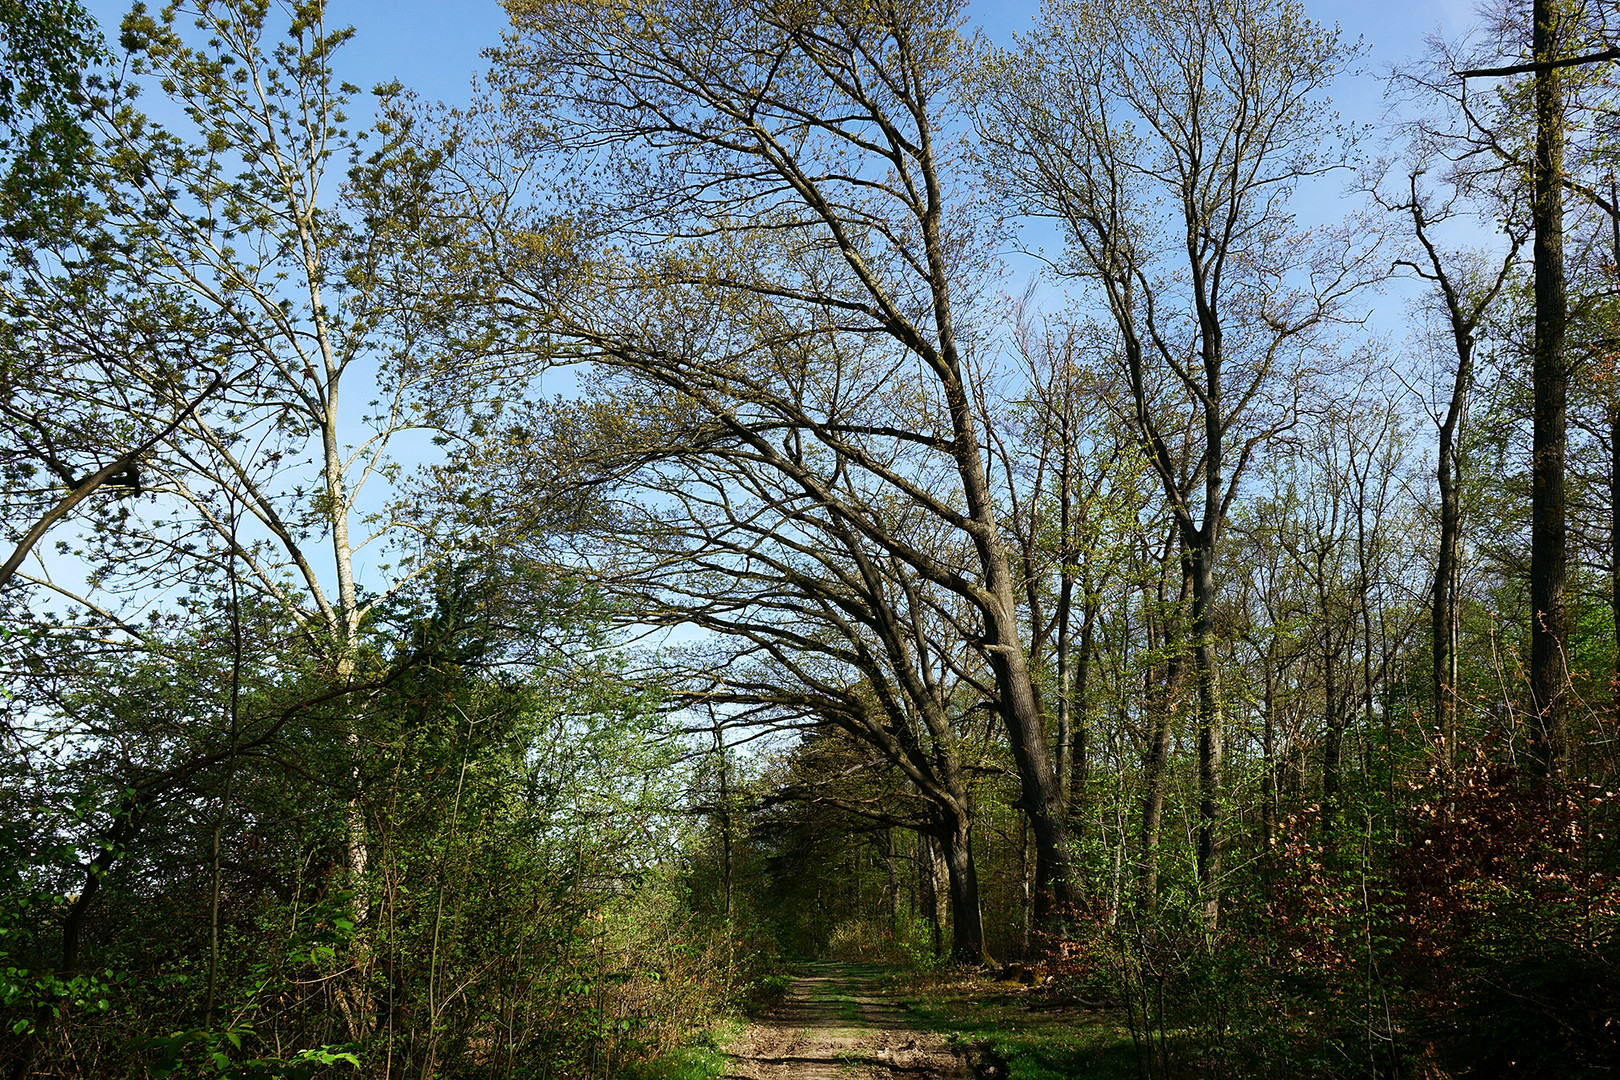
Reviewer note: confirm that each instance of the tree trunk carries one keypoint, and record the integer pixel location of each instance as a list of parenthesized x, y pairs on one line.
[(967, 928), (723, 817), (1041, 798), (1080, 725), (1026, 895), (1153, 784), (1161, 702), (1614, 538), (1443, 614), (931, 873), (1333, 737), (1548, 684), (1268, 753), (1065, 608), (885, 838), (1058, 890), (1614, 462), (1365, 557), (1465, 314), (1211, 795)]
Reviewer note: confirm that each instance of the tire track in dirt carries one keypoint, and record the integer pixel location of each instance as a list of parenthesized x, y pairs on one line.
[(833, 1025)]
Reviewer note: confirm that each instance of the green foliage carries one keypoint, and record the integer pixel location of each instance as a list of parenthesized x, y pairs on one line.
[(519, 891), (432, 819), (703, 1060), (769, 989), (1477, 933), (45, 47), (1029, 1039), (209, 1053), (28, 996)]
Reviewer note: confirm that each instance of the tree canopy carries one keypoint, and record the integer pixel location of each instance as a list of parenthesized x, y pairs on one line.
[(489, 588)]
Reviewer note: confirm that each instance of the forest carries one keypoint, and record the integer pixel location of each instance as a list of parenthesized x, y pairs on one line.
[(796, 504)]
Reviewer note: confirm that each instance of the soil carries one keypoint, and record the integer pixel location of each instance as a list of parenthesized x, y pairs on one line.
[(834, 1025)]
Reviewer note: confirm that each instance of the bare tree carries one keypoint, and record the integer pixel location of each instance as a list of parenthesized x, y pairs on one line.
[(1166, 139), (1071, 482), (809, 623), (762, 233), (1465, 288)]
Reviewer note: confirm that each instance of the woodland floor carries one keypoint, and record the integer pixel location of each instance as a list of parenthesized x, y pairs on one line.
[(834, 1024)]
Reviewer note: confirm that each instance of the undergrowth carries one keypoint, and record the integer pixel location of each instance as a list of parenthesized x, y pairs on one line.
[(705, 1059), (1035, 1037)]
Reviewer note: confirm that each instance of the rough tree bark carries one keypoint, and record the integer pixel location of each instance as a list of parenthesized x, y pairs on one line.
[(1549, 379)]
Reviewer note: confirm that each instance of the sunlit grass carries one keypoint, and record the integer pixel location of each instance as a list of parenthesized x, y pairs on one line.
[(1036, 1038), (704, 1060)]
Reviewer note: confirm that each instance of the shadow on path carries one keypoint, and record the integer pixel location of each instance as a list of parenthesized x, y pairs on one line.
[(834, 1025)]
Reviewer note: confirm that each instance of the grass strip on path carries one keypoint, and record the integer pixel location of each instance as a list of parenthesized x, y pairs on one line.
[(1034, 1034)]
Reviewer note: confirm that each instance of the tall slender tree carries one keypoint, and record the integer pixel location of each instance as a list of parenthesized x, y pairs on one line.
[(1549, 668), (242, 263), (1166, 138), (1465, 288), (1568, 50)]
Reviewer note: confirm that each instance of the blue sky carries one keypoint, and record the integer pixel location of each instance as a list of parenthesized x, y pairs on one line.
[(433, 46)]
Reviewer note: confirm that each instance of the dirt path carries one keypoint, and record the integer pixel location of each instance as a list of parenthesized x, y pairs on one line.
[(835, 1026)]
